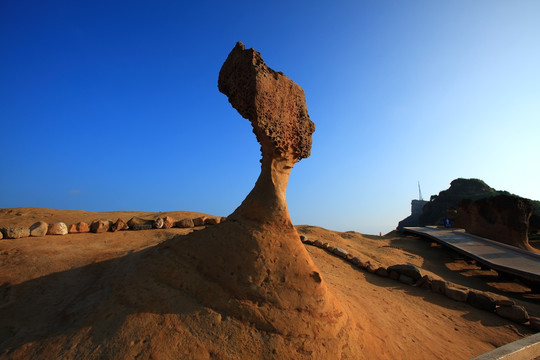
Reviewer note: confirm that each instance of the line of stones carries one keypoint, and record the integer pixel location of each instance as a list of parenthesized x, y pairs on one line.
[(411, 275), (41, 228)]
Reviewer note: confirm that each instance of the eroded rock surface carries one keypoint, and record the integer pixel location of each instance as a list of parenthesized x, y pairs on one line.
[(277, 109), (503, 218)]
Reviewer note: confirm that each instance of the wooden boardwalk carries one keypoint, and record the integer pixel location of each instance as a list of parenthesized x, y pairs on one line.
[(498, 256)]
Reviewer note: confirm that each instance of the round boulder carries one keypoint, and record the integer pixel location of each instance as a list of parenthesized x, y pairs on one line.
[(58, 228)]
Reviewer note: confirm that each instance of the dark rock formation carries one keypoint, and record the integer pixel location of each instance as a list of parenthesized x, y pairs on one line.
[(414, 218), (503, 218), (440, 206)]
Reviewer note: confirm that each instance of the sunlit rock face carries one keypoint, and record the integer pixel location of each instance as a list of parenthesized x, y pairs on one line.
[(277, 109)]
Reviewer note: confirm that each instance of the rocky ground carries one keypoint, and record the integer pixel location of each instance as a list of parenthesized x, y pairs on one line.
[(87, 296)]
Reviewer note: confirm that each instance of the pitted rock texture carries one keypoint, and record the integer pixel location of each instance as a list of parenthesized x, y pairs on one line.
[(274, 104), (276, 107)]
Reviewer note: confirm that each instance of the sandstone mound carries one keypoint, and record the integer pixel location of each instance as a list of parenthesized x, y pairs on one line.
[(503, 218), (248, 279)]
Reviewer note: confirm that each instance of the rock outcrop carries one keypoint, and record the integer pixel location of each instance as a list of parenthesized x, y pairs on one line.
[(503, 218), (414, 218), (440, 206)]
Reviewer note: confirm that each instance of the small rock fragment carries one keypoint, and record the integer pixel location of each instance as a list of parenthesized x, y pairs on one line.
[(39, 229)]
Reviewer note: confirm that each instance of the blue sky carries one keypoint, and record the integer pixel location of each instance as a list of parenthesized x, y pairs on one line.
[(113, 105)]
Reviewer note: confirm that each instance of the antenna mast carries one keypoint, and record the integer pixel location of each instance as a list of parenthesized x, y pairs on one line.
[(420, 192)]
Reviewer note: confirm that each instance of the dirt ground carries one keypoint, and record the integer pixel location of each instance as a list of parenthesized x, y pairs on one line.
[(42, 282)]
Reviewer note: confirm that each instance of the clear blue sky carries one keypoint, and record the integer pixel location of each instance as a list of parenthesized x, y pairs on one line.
[(113, 105)]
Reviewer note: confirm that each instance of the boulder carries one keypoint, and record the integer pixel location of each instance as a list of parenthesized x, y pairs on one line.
[(481, 301), (100, 226), (158, 223), (356, 261), (211, 221), (168, 222), (318, 243), (83, 227), (303, 238), (438, 286), (119, 225), (407, 269), (39, 229), (1, 235), (424, 282), (199, 221), (134, 221), (456, 294), (514, 313), (185, 223), (406, 279), (340, 252), (381, 271), (535, 323), (58, 228), (15, 232), (371, 268)]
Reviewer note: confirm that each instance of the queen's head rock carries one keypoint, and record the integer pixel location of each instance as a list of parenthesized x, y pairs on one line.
[(276, 108)]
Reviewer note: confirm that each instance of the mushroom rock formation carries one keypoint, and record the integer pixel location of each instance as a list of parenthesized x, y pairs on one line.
[(243, 288), (276, 107), (254, 266)]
